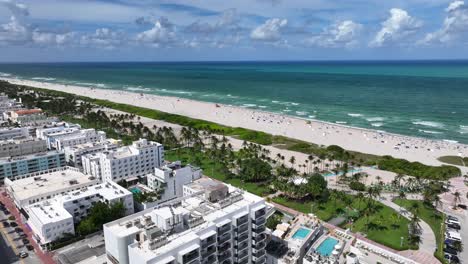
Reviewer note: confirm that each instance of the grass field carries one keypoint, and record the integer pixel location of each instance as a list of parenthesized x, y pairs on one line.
[(454, 160), (383, 226), (432, 217)]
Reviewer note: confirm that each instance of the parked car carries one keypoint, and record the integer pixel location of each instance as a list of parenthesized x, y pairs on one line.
[(13, 224), (449, 242), (23, 254), (462, 206), (453, 236), (6, 224), (451, 251), (18, 230), (29, 247), (23, 235), (451, 258), (454, 226), (25, 241), (452, 221)]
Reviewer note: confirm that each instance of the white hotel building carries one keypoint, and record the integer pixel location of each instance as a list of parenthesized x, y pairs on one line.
[(51, 219), (171, 178), (192, 230), (60, 140), (125, 163), (74, 154), (44, 185)]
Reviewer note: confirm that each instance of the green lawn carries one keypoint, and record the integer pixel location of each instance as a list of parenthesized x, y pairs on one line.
[(454, 160), (384, 225), (214, 170), (432, 217)]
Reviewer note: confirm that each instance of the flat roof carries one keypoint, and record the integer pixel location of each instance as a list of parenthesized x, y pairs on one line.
[(28, 157), (211, 213), (50, 182)]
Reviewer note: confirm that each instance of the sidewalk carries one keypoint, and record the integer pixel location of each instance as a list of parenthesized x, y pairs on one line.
[(45, 257)]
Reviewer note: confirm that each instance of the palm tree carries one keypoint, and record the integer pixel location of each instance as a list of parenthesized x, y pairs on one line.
[(456, 198), (292, 160)]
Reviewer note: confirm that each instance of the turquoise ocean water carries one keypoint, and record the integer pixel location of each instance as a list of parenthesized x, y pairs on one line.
[(426, 99)]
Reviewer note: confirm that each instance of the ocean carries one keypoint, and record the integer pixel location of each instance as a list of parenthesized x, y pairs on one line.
[(416, 98)]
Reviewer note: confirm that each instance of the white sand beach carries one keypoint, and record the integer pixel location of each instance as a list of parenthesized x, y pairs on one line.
[(363, 140)]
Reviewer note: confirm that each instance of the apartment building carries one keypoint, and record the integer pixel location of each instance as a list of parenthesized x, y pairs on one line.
[(61, 139), (74, 154), (170, 179), (20, 147), (13, 133), (192, 229), (52, 219), (7, 104), (27, 116), (17, 166), (125, 163), (44, 132), (35, 187)]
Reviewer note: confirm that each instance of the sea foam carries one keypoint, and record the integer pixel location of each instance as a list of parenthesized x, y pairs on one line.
[(429, 124), (375, 119), (47, 79), (354, 115)]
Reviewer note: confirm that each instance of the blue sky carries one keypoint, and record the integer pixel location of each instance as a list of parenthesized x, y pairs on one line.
[(182, 30)]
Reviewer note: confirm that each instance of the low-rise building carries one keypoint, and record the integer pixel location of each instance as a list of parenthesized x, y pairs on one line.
[(63, 128), (74, 154), (60, 139), (52, 219), (20, 147), (7, 104), (17, 166), (169, 180), (26, 116), (123, 163), (35, 187), (192, 230), (13, 133)]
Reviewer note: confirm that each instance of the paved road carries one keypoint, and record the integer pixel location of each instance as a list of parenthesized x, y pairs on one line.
[(428, 240)]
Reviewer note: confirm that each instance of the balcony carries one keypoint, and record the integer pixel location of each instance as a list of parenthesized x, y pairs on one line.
[(260, 213), (224, 238), (258, 222), (210, 260), (224, 247), (209, 251), (224, 256), (242, 220), (259, 239), (241, 238), (224, 229), (209, 241), (258, 230), (241, 229), (191, 256), (241, 246), (242, 255)]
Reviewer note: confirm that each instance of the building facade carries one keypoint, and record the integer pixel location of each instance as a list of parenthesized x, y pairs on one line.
[(17, 166), (192, 230), (52, 219), (69, 138), (123, 163), (20, 147), (43, 185), (169, 180), (74, 154), (13, 133)]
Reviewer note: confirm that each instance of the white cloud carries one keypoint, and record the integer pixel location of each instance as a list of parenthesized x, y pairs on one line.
[(228, 20), (52, 38), (455, 25), (341, 34), (396, 28), (270, 30), (162, 32), (104, 38)]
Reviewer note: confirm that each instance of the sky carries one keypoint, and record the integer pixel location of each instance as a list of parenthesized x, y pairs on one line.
[(217, 30)]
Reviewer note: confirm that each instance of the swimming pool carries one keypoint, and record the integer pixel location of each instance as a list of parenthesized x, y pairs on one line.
[(327, 246), (135, 190), (301, 233)]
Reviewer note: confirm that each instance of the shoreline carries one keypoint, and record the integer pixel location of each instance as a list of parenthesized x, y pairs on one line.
[(319, 132)]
